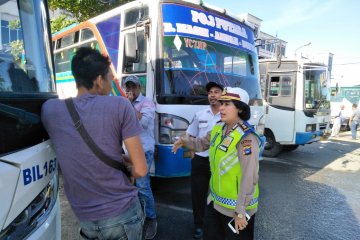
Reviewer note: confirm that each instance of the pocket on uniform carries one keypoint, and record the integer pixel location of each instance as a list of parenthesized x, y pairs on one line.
[(203, 125)]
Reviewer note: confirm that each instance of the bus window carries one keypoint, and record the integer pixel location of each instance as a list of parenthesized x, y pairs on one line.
[(235, 65), (132, 16), (86, 34), (281, 91), (313, 85), (69, 40), (16, 73), (187, 70), (274, 86), (62, 61), (286, 86)]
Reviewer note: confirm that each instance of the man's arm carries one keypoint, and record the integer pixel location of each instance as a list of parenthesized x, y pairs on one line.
[(137, 156), (147, 114), (193, 128)]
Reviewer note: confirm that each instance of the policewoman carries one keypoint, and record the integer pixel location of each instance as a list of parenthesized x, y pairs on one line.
[(234, 149)]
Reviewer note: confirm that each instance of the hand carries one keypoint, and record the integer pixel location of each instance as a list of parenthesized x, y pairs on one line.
[(179, 143), (240, 224), (138, 114), (192, 154), (130, 96)]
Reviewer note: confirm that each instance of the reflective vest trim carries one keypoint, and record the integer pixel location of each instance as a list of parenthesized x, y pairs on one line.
[(231, 202)]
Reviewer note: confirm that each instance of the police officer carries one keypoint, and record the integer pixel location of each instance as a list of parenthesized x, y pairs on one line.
[(234, 149)]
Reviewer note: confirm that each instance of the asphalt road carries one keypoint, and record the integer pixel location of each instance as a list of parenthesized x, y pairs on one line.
[(310, 193)]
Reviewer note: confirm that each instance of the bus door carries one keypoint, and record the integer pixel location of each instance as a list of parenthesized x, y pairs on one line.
[(280, 112)]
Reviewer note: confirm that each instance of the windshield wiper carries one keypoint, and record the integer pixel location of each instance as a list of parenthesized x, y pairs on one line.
[(19, 114)]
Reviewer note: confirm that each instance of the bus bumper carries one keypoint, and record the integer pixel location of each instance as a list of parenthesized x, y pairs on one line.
[(307, 137), (168, 164)]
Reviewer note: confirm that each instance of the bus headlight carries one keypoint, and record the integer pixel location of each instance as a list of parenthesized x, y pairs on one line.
[(34, 215), (310, 128), (171, 127)]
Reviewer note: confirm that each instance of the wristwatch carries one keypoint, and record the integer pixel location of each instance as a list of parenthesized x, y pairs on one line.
[(239, 215)]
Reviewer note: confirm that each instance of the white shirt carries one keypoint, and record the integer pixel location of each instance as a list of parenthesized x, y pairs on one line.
[(201, 124)]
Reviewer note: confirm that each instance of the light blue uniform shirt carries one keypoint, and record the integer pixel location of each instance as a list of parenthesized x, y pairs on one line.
[(201, 124), (147, 108)]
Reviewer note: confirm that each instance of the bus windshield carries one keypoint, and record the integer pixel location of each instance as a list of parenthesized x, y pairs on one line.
[(191, 59), (316, 87), (22, 69)]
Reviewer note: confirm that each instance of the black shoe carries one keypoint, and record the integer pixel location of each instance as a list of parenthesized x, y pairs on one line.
[(198, 233), (150, 228)]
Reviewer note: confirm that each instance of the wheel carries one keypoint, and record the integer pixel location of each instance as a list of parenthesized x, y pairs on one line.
[(272, 148), (289, 148)]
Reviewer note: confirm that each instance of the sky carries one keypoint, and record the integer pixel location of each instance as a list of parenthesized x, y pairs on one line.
[(332, 26)]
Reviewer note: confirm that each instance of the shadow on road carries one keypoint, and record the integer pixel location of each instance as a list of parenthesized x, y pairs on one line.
[(311, 193)]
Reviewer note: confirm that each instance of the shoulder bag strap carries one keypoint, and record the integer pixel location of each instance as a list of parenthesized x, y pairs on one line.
[(89, 141)]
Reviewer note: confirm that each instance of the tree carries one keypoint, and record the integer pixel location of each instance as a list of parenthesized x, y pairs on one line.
[(60, 22), (17, 46), (82, 10)]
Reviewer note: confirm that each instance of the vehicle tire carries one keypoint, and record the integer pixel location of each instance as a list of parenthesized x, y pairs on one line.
[(272, 148), (289, 148)]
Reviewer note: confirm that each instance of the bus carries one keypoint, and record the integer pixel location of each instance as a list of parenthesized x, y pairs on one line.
[(296, 92), (29, 201), (175, 48)]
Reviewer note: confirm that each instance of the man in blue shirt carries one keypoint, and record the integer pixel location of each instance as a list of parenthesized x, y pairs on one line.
[(145, 111)]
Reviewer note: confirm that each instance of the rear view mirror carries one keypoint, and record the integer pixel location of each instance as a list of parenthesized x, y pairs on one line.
[(131, 49)]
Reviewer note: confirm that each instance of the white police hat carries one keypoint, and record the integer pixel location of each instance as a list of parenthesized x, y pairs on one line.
[(237, 94)]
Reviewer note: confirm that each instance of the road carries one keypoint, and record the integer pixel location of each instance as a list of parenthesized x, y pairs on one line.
[(310, 193)]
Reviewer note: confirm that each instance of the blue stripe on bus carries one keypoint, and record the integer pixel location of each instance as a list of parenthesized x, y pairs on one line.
[(168, 164), (307, 137), (63, 77)]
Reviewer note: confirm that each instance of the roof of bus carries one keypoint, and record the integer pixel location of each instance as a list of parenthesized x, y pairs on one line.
[(219, 10), (303, 61)]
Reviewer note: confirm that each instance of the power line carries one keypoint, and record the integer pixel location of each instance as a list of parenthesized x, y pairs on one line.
[(347, 63)]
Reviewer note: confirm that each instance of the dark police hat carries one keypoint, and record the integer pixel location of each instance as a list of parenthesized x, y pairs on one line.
[(209, 85)]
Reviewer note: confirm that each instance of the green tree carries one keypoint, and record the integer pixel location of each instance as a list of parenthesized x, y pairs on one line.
[(14, 24), (60, 22), (82, 10), (17, 46)]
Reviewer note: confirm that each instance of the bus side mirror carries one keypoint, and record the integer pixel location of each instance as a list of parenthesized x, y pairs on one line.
[(131, 49)]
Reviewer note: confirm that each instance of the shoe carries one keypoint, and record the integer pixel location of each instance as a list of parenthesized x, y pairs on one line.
[(198, 233), (150, 228)]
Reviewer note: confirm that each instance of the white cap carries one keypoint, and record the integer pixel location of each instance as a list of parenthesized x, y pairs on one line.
[(237, 94)]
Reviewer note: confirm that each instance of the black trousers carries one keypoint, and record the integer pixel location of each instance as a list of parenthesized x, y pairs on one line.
[(216, 227), (200, 177)]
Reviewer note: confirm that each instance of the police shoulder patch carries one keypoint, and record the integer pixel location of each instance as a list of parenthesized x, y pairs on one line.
[(247, 150), (246, 144)]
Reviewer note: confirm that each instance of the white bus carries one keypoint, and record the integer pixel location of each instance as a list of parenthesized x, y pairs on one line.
[(297, 109), (175, 48), (29, 202)]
